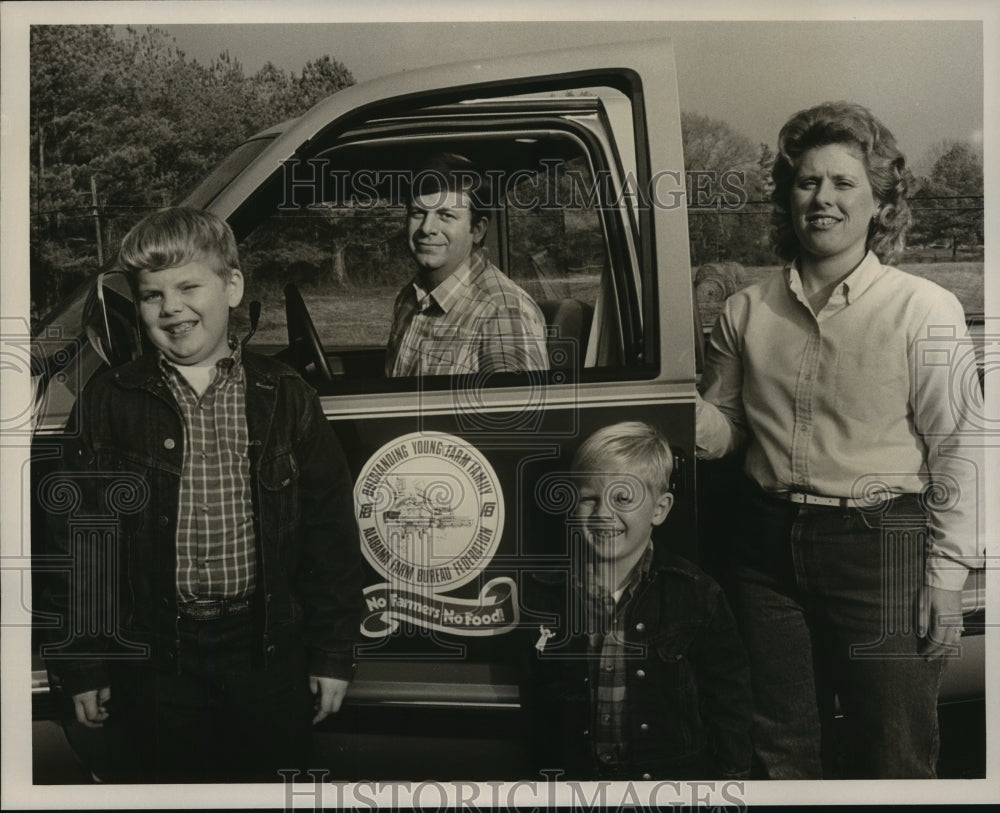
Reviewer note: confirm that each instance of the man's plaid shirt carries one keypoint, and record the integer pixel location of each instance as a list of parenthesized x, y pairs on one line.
[(215, 536), (477, 320)]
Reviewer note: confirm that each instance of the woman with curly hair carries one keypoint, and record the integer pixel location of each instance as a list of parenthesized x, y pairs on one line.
[(859, 505)]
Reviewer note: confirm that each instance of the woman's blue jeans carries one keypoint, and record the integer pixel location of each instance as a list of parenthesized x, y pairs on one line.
[(827, 602)]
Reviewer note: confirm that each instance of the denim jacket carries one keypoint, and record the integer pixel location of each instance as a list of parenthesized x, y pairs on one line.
[(124, 466), (688, 706)]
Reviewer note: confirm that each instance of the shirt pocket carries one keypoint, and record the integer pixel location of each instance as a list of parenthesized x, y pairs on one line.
[(676, 692), (871, 385), (671, 646), (121, 482), (278, 472), (279, 480)]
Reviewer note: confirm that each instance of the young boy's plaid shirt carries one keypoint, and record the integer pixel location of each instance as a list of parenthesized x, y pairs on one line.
[(215, 536), (606, 645), (477, 320)]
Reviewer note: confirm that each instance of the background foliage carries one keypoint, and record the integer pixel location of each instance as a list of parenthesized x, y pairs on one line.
[(123, 122), (949, 203)]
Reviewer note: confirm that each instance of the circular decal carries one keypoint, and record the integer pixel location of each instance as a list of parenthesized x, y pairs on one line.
[(430, 510)]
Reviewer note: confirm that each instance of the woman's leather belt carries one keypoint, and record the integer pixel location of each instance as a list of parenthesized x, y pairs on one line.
[(801, 498)]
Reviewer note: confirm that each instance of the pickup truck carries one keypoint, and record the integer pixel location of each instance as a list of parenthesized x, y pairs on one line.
[(586, 147)]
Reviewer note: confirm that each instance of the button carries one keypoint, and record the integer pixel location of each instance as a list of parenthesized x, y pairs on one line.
[(586, 680), (164, 521), (640, 627), (272, 649), (606, 757), (169, 443), (647, 776), (605, 718), (644, 727), (204, 507), (609, 669), (204, 455), (586, 732), (640, 673)]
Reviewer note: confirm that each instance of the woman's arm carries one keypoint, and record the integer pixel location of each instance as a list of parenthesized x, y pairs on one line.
[(719, 417), (947, 406)]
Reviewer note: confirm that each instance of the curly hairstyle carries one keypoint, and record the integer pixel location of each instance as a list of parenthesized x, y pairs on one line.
[(854, 126)]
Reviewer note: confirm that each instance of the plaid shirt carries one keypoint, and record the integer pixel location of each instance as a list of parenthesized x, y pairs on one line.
[(215, 535), (477, 320), (606, 645)]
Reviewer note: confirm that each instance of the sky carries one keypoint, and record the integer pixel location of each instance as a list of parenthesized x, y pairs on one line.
[(924, 79)]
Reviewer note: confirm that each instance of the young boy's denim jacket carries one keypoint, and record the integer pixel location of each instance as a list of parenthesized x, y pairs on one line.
[(688, 705), (124, 465)]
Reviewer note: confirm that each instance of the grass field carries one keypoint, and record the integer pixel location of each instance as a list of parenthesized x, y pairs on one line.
[(964, 279), (361, 316), (344, 316)]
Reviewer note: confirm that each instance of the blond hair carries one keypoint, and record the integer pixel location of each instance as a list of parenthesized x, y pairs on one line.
[(176, 236), (642, 448)]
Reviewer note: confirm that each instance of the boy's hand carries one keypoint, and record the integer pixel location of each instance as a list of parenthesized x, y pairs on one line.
[(329, 695), (91, 706)]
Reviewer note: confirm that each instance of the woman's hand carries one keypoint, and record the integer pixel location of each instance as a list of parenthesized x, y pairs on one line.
[(940, 622)]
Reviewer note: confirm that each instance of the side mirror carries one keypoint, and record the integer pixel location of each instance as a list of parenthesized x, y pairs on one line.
[(110, 320)]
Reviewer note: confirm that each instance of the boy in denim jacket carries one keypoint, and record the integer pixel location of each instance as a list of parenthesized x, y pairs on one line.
[(234, 582), (642, 675)]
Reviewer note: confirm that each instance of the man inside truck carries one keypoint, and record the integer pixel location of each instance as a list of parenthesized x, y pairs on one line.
[(460, 314)]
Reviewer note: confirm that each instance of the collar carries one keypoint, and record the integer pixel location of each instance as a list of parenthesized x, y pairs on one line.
[(227, 367), (145, 371), (595, 590), (855, 284), (639, 572), (452, 289)]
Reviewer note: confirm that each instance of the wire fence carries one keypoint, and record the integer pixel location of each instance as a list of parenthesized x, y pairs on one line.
[(71, 242)]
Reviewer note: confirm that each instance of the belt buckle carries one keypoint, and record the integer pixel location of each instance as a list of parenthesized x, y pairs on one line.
[(201, 610)]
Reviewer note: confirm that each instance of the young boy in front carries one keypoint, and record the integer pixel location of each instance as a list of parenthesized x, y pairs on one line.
[(237, 564), (643, 675)]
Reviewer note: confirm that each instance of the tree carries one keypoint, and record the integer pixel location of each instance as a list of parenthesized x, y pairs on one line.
[(319, 78), (948, 203), (765, 166), (132, 115), (723, 174), (961, 169)]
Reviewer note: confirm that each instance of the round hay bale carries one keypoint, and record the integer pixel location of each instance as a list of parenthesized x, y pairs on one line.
[(710, 289), (713, 282)]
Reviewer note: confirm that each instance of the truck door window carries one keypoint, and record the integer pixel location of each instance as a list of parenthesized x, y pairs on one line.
[(342, 240)]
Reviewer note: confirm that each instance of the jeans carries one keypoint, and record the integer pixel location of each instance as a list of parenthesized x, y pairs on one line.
[(827, 600), (213, 719)]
